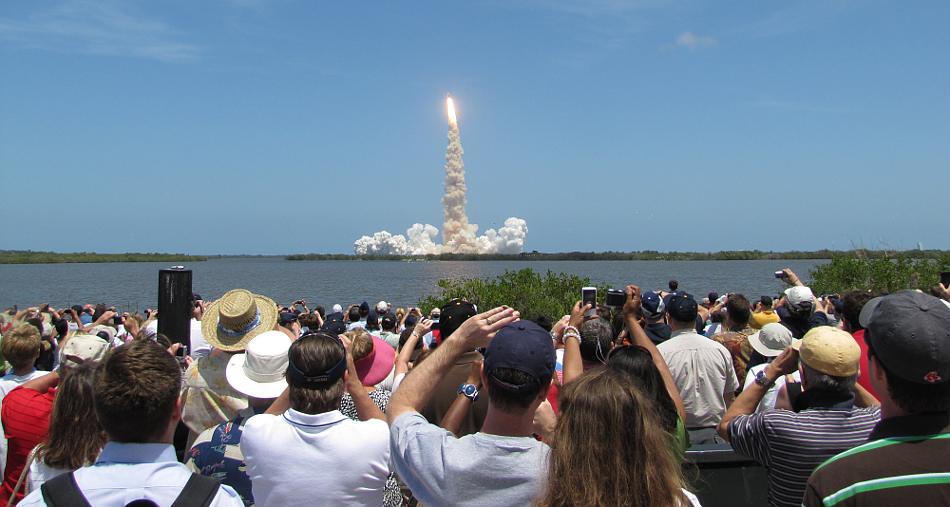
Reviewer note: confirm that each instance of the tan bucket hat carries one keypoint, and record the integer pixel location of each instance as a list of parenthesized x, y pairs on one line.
[(239, 315)]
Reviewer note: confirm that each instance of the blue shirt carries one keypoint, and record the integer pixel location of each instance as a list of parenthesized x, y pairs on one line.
[(127, 472), (475, 470)]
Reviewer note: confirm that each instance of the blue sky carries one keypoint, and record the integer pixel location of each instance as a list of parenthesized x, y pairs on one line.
[(246, 126)]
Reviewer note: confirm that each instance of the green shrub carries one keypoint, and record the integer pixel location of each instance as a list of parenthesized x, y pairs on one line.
[(878, 274), (531, 293)]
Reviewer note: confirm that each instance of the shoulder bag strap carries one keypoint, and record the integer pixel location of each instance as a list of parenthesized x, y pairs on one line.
[(24, 475), (198, 492), (62, 491)]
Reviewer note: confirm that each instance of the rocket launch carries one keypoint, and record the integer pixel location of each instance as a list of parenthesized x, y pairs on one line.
[(458, 235)]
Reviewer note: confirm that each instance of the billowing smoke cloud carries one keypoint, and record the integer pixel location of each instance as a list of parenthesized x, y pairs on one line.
[(458, 235), (420, 240)]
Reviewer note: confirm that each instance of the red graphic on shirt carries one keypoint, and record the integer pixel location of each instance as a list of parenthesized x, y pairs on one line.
[(933, 377)]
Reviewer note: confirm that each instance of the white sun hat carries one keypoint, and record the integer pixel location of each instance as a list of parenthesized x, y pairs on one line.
[(259, 371)]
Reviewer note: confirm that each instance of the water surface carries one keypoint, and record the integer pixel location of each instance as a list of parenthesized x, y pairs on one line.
[(134, 285)]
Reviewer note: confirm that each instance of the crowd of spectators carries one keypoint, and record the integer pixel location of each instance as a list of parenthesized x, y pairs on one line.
[(843, 399)]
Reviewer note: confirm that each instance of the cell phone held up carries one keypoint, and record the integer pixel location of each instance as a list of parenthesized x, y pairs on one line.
[(589, 297), (781, 275), (181, 354), (945, 278)]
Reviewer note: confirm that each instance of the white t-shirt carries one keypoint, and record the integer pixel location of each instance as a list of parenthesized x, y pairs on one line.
[(40, 473), (199, 346), (9, 381), (294, 455), (768, 401)]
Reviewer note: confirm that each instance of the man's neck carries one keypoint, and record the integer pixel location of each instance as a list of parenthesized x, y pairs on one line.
[(506, 424), (679, 327), (19, 372)]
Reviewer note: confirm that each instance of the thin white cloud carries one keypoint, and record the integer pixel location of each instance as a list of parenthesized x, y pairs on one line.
[(96, 28), (690, 40)]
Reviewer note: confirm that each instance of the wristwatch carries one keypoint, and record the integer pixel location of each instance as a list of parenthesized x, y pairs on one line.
[(470, 391), (762, 380)]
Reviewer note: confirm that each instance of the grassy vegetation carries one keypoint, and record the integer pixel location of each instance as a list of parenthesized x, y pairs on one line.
[(552, 294), (644, 255), (878, 273), (529, 292), (31, 257)]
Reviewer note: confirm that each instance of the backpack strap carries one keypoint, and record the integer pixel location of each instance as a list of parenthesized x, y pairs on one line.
[(62, 491), (198, 492)]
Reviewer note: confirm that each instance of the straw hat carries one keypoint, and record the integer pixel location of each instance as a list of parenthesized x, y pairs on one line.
[(230, 322)]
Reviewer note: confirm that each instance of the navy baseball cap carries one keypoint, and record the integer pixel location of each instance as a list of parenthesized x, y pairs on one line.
[(651, 306), (909, 333), (682, 307), (523, 346)]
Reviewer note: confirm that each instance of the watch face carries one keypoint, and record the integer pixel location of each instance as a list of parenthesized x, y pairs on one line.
[(468, 390)]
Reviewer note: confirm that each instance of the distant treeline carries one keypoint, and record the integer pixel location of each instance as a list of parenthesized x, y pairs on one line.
[(644, 255), (31, 257)]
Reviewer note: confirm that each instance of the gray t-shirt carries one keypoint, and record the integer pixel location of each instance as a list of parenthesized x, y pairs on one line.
[(476, 470)]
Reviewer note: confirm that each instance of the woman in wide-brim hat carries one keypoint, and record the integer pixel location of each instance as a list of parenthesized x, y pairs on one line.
[(228, 324), (240, 315)]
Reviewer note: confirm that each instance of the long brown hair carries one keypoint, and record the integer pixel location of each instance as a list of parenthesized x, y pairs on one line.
[(75, 436), (609, 447)]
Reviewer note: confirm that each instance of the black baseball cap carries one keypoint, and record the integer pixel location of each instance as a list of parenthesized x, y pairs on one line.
[(909, 333), (334, 324), (682, 307), (454, 313), (523, 346), (287, 318), (388, 321)]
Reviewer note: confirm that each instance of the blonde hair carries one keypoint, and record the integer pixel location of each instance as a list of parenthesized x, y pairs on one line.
[(21, 346), (609, 448), (362, 344)]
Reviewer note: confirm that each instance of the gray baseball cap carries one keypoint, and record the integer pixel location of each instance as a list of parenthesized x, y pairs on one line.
[(909, 332)]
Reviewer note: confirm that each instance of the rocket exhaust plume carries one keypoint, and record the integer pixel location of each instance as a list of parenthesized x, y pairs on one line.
[(458, 235)]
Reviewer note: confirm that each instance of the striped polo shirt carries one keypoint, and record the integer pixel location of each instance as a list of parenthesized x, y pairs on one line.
[(906, 462), (791, 444)]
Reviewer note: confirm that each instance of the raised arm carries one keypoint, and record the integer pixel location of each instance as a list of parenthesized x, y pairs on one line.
[(416, 389), (405, 353), (365, 408), (863, 398), (44, 383), (745, 404), (455, 416), (638, 336), (573, 362)]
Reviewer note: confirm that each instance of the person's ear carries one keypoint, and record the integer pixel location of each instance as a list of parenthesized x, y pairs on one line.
[(874, 368), (176, 410)]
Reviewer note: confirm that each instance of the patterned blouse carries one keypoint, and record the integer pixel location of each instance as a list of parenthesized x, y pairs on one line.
[(380, 397)]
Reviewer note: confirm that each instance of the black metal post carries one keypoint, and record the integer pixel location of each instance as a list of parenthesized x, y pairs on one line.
[(175, 304)]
